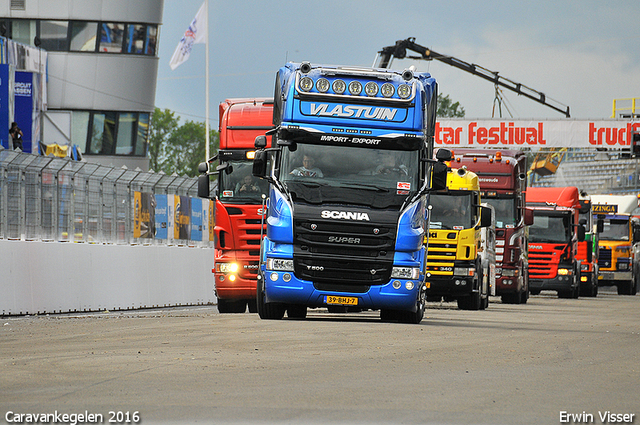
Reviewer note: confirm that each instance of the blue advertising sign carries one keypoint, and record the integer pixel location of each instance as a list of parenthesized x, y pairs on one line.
[(162, 217), (23, 102), (196, 219), (5, 140)]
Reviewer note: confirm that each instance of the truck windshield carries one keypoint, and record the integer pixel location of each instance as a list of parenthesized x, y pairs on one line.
[(615, 230), (453, 210), (240, 186), (550, 228), (373, 177), (505, 208)]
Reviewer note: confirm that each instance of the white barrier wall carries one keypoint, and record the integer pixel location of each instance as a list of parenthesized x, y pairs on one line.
[(53, 277)]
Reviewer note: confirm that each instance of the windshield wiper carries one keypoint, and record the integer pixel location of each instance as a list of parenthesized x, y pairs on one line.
[(366, 186)]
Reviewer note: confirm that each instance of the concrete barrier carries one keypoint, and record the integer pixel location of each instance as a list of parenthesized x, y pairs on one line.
[(54, 277)]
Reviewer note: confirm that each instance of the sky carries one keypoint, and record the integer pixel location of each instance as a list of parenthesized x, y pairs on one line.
[(579, 53)]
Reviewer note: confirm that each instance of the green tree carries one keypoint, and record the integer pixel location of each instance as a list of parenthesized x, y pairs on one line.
[(163, 124), (186, 149), (448, 109), (175, 148)]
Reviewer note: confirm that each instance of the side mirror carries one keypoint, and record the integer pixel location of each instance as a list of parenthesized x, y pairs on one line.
[(226, 167), (443, 155), (581, 233), (203, 185), (203, 168), (260, 163), (528, 216), (439, 176), (485, 217), (599, 225), (260, 142)]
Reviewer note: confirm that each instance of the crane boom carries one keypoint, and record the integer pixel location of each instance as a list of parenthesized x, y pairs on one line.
[(399, 50)]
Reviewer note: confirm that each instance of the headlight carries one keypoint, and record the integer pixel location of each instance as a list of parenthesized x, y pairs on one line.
[(339, 86), (387, 90), (355, 88), (371, 88), (509, 272), (404, 91), (405, 273), (306, 84), (227, 267), (280, 264), (564, 272), (623, 266), (464, 271), (584, 267), (323, 85)]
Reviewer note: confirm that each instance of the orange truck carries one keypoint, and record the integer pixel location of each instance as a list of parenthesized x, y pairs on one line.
[(553, 240), (238, 203)]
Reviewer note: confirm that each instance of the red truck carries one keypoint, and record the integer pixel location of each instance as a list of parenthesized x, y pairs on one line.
[(502, 176), (553, 240), (238, 203)]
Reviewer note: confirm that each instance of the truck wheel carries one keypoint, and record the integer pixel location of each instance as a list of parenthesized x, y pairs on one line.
[(253, 306), (231, 306), (296, 311), (272, 311), (415, 317), (625, 288), (472, 302)]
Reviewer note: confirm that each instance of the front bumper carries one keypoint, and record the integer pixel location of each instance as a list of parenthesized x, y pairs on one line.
[(559, 283), (304, 292), (614, 275), (449, 286)]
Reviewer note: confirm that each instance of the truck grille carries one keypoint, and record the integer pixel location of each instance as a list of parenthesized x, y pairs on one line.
[(440, 258), (604, 258), (543, 264), (343, 253)]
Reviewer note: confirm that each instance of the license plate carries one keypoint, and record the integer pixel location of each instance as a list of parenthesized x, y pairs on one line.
[(336, 300)]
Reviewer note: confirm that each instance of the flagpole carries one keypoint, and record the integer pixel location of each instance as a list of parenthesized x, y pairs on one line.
[(206, 85)]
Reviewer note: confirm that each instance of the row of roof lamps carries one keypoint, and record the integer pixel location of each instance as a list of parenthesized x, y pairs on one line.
[(354, 87)]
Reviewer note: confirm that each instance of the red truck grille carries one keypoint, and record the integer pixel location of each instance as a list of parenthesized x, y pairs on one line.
[(543, 264)]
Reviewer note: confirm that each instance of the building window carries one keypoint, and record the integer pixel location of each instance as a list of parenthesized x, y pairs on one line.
[(102, 135), (143, 135), (136, 35), (83, 36), (111, 133), (152, 38), (53, 35), (126, 128), (111, 37)]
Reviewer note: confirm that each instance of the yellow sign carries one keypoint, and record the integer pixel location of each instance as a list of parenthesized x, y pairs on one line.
[(605, 209)]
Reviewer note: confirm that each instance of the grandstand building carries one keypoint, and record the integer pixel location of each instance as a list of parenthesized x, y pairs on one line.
[(102, 62)]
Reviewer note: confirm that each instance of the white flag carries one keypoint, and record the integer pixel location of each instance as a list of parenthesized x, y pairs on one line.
[(196, 33)]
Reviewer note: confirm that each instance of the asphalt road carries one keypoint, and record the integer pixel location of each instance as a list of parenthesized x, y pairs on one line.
[(509, 364)]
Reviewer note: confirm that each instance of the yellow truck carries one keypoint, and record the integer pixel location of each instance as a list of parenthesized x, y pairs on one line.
[(454, 259)]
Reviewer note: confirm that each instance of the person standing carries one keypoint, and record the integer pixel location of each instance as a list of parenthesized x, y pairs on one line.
[(16, 136)]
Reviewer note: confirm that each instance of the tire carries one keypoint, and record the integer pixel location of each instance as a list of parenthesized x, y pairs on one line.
[(268, 311), (473, 301), (296, 311), (415, 317), (388, 315), (253, 306), (231, 306), (626, 288)]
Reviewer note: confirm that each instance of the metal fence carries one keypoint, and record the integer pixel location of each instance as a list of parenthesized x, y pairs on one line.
[(58, 199)]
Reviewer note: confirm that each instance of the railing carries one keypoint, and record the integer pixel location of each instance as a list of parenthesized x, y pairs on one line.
[(61, 200), (626, 108)]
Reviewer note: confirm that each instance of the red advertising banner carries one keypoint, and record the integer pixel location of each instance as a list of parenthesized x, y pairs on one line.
[(513, 134)]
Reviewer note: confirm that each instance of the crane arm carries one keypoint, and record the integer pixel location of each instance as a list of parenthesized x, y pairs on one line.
[(399, 51)]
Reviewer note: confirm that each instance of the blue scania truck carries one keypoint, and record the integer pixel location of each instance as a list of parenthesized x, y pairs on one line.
[(350, 171)]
